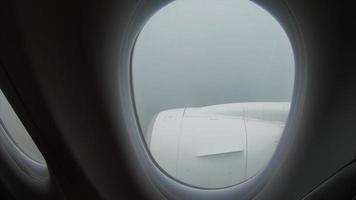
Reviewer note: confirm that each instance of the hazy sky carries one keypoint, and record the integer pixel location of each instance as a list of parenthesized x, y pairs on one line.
[(205, 52)]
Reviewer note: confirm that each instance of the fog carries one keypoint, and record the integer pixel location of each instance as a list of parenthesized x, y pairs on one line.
[(205, 52)]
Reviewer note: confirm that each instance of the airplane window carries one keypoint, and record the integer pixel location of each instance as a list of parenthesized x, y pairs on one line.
[(13, 129), (212, 83)]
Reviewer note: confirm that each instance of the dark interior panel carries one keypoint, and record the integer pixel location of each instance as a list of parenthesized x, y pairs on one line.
[(59, 69)]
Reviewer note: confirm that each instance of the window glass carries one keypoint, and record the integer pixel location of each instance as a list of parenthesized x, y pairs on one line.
[(212, 82), (11, 126)]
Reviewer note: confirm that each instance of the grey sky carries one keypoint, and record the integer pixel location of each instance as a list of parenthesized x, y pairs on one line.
[(205, 52)]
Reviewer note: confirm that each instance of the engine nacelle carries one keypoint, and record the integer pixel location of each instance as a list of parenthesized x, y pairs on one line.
[(217, 146)]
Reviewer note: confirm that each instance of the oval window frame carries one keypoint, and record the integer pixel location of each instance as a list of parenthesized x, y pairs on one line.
[(20, 171), (167, 184)]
